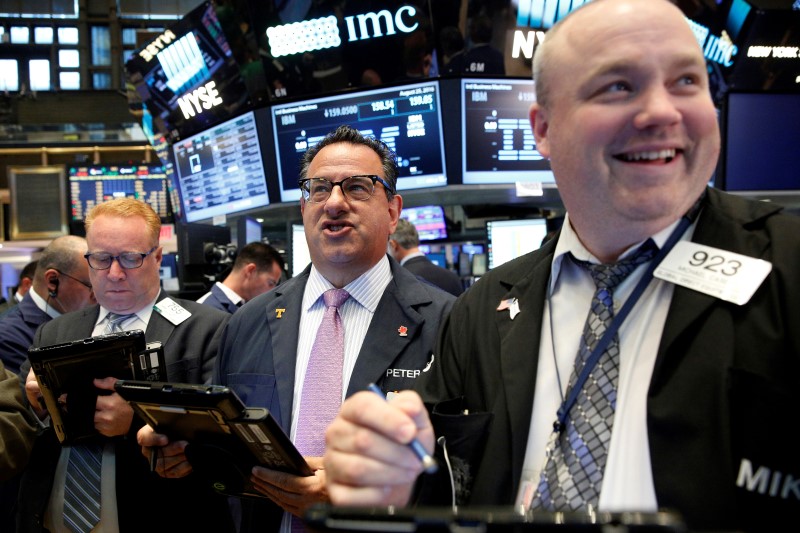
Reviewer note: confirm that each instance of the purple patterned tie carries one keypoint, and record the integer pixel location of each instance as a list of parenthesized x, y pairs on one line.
[(322, 387), (576, 457)]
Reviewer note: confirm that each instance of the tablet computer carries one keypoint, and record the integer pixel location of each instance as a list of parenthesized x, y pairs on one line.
[(66, 371), (226, 438)]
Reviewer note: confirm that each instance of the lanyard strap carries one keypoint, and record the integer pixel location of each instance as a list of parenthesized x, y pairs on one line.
[(619, 318)]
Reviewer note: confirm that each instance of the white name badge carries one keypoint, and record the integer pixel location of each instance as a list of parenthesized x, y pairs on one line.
[(725, 275), (172, 311)]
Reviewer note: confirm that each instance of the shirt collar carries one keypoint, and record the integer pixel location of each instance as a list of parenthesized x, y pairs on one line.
[(569, 243), (367, 289), (42, 304), (143, 314), (230, 293), (411, 256)]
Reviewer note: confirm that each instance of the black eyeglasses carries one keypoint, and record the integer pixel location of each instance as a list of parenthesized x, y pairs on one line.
[(360, 188), (104, 260), (84, 283)]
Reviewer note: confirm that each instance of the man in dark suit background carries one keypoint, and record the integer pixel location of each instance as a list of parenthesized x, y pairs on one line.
[(404, 247), (256, 269), (124, 259), (60, 285), (22, 288), (349, 207)]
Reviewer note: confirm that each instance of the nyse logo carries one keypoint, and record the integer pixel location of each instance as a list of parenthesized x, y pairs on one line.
[(159, 43), (202, 98)]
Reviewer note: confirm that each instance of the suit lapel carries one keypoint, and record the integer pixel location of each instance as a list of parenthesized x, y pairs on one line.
[(159, 328), (393, 328), (716, 227), (283, 319), (519, 348)]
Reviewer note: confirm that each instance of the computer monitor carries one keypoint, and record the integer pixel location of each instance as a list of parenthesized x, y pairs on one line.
[(479, 264), (429, 220), (220, 170), (497, 140), (406, 117), (300, 254), (437, 258), (90, 185), (760, 151), (509, 239), (248, 229)]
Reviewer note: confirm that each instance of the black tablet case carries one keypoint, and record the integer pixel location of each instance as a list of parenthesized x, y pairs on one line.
[(65, 373), (226, 438)]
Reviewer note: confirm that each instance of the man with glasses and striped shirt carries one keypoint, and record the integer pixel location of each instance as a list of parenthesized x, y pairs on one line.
[(124, 257)]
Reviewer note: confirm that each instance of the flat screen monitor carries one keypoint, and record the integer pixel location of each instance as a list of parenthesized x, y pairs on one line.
[(406, 117), (248, 229), (472, 249), (509, 239), (220, 170), (761, 143), (90, 185), (429, 220), (497, 139), (437, 258), (187, 77), (300, 254), (164, 153), (479, 264)]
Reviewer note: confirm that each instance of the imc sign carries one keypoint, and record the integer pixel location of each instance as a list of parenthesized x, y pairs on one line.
[(322, 33)]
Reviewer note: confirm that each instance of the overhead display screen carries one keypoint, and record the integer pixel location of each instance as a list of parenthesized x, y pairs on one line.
[(497, 139), (94, 184), (220, 170), (406, 117), (187, 77)]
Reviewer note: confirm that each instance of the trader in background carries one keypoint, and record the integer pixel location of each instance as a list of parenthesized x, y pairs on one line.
[(377, 320), (257, 269), (404, 247), (22, 288), (124, 258), (688, 405), (60, 285)]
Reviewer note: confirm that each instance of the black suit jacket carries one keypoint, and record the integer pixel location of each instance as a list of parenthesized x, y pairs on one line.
[(190, 350), (441, 277), (722, 395)]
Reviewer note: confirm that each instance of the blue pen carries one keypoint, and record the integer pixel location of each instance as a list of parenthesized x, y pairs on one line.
[(428, 462)]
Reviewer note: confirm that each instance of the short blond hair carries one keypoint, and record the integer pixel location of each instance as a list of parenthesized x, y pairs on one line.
[(127, 208)]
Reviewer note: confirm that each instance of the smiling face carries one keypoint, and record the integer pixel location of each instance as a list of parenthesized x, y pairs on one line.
[(348, 237), (124, 290), (628, 122)]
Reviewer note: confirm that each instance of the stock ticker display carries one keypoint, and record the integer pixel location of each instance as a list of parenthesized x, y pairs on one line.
[(407, 118), (498, 143), (94, 184), (220, 170)]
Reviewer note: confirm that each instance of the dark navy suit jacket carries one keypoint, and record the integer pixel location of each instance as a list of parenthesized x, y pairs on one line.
[(441, 277), (180, 504), (17, 327), (219, 300), (259, 347)]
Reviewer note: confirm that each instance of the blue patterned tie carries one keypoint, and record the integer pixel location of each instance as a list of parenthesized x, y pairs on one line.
[(576, 457), (82, 487)]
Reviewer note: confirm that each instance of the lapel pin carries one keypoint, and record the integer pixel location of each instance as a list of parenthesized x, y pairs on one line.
[(512, 304), (402, 331), (279, 312)]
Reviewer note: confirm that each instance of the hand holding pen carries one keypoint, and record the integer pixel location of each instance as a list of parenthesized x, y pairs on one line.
[(428, 462)]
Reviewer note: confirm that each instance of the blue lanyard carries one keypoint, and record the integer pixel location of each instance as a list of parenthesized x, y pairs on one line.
[(619, 318)]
